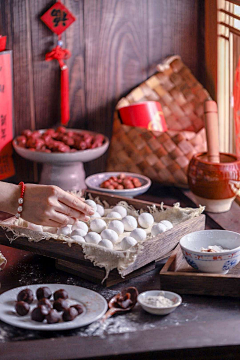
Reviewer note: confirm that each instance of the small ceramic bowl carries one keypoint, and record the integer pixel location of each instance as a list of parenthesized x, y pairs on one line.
[(217, 262), (93, 182), (177, 300)]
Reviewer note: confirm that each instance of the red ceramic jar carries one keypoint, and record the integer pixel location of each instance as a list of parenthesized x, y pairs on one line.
[(214, 184)]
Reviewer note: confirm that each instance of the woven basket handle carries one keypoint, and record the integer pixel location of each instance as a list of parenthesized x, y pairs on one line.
[(166, 63)]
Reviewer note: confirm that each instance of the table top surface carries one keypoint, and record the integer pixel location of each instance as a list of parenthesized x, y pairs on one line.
[(203, 325)]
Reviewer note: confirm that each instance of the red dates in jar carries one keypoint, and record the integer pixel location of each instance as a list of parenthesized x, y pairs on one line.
[(60, 140)]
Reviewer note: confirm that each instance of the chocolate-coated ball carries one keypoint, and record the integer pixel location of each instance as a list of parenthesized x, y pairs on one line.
[(39, 313), (22, 308), (69, 314), (60, 294), (60, 305), (53, 317), (46, 303), (43, 292), (25, 295), (78, 307)]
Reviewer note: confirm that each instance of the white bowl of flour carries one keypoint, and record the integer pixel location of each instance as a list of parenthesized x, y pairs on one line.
[(159, 302)]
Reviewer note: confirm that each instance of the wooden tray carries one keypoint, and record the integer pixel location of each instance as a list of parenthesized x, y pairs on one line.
[(153, 250), (178, 276)]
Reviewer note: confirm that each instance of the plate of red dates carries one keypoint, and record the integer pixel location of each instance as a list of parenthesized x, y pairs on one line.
[(60, 145), (119, 183), (51, 307)]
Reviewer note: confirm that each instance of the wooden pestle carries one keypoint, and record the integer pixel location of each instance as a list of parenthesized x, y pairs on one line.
[(211, 126)]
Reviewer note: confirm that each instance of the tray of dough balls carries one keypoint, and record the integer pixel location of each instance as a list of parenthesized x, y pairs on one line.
[(123, 234)]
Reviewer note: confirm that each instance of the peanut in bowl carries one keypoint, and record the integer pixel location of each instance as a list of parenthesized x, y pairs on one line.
[(199, 250)]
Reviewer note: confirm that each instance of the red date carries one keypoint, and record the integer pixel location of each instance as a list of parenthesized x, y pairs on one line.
[(59, 140), (121, 182)]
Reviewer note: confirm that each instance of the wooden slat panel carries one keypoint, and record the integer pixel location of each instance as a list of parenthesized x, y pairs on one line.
[(14, 23), (115, 57), (169, 26), (75, 42), (115, 45)]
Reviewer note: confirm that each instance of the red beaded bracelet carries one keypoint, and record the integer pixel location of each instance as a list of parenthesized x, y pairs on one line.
[(20, 200)]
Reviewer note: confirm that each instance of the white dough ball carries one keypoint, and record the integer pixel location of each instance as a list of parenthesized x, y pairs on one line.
[(100, 210), (106, 243), (121, 210), (110, 235), (114, 215), (78, 232), (128, 242), (35, 227), (92, 204), (80, 225), (117, 226), (65, 230), (78, 238), (129, 222), (92, 238), (158, 229), (145, 220), (167, 223), (98, 225), (96, 215), (139, 234)]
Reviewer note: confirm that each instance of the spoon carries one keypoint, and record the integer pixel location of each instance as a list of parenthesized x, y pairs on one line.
[(122, 302)]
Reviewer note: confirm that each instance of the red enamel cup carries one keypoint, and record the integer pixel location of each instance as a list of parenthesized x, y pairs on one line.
[(146, 114)]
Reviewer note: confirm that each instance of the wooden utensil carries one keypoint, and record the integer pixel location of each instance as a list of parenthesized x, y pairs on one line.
[(211, 126), (116, 304)]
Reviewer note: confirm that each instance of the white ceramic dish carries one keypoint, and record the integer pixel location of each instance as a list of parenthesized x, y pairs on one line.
[(94, 306), (177, 300), (218, 262), (82, 156), (93, 182)]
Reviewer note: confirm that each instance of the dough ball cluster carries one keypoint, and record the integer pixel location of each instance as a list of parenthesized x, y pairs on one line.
[(106, 232)]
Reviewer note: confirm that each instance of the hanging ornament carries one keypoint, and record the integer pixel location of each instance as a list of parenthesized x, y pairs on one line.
[(58, 18), (236, 109)]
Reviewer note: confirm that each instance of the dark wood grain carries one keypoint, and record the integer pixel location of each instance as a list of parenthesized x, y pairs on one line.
[(170, 24), (14, 22), (115, 46)]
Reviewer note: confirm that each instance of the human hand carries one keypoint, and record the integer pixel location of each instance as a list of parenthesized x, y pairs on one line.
[(48, 205)]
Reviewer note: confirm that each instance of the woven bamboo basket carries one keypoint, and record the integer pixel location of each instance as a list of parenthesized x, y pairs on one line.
[(162, 156)]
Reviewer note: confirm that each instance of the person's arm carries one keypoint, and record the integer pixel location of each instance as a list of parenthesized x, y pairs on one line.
[(44, 204)]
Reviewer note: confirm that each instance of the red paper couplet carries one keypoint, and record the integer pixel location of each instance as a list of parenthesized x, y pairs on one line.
[(236, 95), (58, 18), (6, 115)]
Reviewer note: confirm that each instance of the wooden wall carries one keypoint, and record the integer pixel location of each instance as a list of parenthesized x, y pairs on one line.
[(115, 45)]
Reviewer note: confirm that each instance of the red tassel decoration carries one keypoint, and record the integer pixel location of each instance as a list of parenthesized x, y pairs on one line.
[(62, 54), (65, 113)]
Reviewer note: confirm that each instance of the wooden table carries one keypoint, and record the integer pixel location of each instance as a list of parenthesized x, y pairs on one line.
[(202, 327)]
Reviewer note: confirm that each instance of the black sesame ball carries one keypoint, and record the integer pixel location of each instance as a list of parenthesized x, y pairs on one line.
[(43, 292), (69, 314), (25, 295), (53, 317), (22, 308), (60, 304), (46, 303), (39, 313), (78, 307), (60, 294)]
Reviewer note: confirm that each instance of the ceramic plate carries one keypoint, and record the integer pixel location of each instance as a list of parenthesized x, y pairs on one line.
[(93, 182), (94, 306), (82, 155)]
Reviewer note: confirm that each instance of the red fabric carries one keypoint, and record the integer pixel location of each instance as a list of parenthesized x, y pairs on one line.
[(60, 54), (236, 95)]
